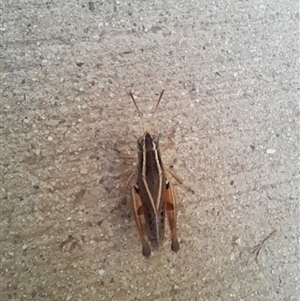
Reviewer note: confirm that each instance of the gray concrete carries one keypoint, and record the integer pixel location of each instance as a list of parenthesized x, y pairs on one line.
[(229, 70)]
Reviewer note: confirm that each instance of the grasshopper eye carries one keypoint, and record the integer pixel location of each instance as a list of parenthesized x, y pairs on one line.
[(141, 141), (155, 139)]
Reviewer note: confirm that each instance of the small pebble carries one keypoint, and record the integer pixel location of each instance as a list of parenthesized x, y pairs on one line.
[(84, 106), (271, 151), (68, 218), (24, 247), (101, 272), (238, 241), (50, 138), (26, 120), (83, 171), (96, 37)]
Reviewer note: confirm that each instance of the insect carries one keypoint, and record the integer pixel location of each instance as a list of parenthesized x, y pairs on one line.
[(152, 195)]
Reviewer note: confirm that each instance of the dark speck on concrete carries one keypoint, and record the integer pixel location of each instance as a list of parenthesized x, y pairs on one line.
[(91, 6), (155, 28)]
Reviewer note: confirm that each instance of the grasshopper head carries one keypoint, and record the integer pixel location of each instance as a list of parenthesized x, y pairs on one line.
[(148, 142)]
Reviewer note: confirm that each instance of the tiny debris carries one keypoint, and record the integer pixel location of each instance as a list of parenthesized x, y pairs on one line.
[(101, 272), (238, 241), (24, 247), (155, 28), (79, 64), (36, 151), (96, 37), (50, 138), (69, 244), (91, 6), (83, 171), (271, 151), (257, 248)]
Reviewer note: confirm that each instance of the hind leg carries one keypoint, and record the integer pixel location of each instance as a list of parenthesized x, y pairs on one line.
[(139, 216), (170, 207)]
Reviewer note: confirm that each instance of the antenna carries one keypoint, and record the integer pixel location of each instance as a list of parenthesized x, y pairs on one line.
[(140, 114), (137, 108), (157, 104)]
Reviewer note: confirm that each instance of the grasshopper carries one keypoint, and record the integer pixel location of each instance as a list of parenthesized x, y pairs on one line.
[(152, 195)]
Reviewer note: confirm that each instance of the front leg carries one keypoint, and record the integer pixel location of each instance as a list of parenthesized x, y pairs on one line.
[(125, 157), (139, 216), (170, 207)]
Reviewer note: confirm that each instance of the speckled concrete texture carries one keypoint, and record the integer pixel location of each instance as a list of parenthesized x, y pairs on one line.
[(230, 74)]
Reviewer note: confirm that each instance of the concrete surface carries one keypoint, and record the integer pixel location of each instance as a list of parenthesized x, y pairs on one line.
[(230, 74)]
